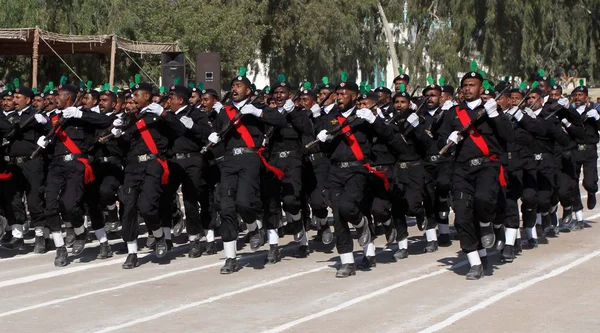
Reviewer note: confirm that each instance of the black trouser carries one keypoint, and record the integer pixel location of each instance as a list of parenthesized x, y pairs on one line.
[(210, 202), (141, 193), (437, 186), (530, 196), (102, 192), (546, 183), (587, 160), (28, 179), (64, 186), (240, 192), (407, 198), (286, 191), (315, 175), (186, 172), (514, 192), (381, 198), (568, 183), (475, 193), (346, 191)]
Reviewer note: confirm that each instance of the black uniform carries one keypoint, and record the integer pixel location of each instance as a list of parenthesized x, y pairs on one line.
[(586, 155)]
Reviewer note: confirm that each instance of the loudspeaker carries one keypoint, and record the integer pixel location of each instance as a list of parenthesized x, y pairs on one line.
[(172, 67), (208, 70)]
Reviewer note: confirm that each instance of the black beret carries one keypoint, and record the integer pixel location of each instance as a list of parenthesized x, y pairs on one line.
[(185, 92), (283, 84), (328, 86), (448, 89), (95, 94), (517, 90), (210, 92), (348, 85), (471, 75), (6, 93), (582, 89), (402, 94), (556, 87), (244, 79), (69, 88), (24, 91), (501, 86), (537, 90), (370, 95), (432, 87), (110, 93), (309, 92), (402, 77), (145, 86), (383, 89)]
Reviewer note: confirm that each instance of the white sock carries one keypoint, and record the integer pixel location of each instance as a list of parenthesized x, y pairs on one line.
[(68, 225), (518, 236), (273, 237), (17, 230), (259, 224), (46, 232), (403, 244), (531, 233), (230, 249), (79, 230), (579, 215), (369, 249), (538, 218), (101, 235), (444, 228), (388, 222), (210, 235), (474, 258), (192, 238), (511, 235), (294, 217), (482, 253), (39, 231), (347, 258), (167, 232), (252, 226), (111, 207), (431, 235), (484, 224), (158, 233), (323, 221), (362, 222), (132, 247), (304, 239), (57, 237)]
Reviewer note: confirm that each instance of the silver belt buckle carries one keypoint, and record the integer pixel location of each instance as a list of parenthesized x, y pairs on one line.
[(237, 151), (179, 156), (509, 155), (403, 165), (68, 158), (7, 158), (344, 165), (581, 147), (537, 157), (284, 154), (5, 141), (434, 158), (20, 159), (143, 158), (475, 162), (104, 159)]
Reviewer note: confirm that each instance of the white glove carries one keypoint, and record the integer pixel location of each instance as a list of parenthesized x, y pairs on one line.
[(118, 122), (218, 107), (289, 106), (72, 112), (153, 108), (593, 113), (187, 122), (413, 120), (565, 122), (323, 136), (42, 142), (116, 132), (454, 137), (316, 110), (447, 105), (530, 113), (512, 111), (367, 115), (413, 106), (251, 109), (491, 108), (564, 102), (40, 119), (214, 138), (518, 115)]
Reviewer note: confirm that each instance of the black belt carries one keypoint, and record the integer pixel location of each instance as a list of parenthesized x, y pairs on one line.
[(183, 156), (143, 158), (582, 147), (344, 165), (315, 156), (406, 165), (542, 156), (385, 167), (242, 150), (285, 154), (477, 161), (433, 158), (72, 157), (217, 160), (17, 160), (110, 159)]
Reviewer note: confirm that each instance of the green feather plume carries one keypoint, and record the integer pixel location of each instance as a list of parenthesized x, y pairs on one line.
[(201, 85), (506, 78), (306, 85), (442, 81), (47, 89), (363, 88), (541, 72), (115, 89), (16, 83), (552, 82), (486, 84), (81, 84), (482, 73), (281, 78), (368, 87), (402, 88), (344, 76), (177, 81), (63, 80), (381, 84), (34, 90), (89, 85), (523, 86), (131, 85), (534, 85), (473, 66), (325, 80), (162, 89), (242, 71), (10, 87), (267, 89), (253, 86), (137, 79), (50, 85), (191, 84), (400, 72), (429, 80), (581, 83)]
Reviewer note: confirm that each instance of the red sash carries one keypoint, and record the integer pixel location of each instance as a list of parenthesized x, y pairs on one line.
[(479, 141), (72, 147), (247, 137), (6, 175), (149, 141), (358, 153)]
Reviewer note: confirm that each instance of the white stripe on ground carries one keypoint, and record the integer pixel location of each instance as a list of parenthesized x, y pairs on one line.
[(454, 318), (362, 298), (209, 300)]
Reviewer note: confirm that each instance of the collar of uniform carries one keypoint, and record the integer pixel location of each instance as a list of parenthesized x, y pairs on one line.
[(545, 99), (180, 109), (25, 109), (473, 104), (538, 111), (380, 113), (280, 109), (328, 108), (581, 109), (95, 109), (238, 104), (348, 113), (6, 113), (432, 112), (108, 114)]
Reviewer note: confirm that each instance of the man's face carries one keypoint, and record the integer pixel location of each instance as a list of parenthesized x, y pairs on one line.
[(598, 100), (80, 100), (397, 84), (89, 101), (531, 99), (515, 98), (445, 97), (195, 98), (62, 99), (141, 99), (365, 103), (155, 99), (544, 86), (504, 102), (307, 102), (239, 91), (21, 101), (555, 94), (579, 98), (129, 104), (175, 102), (401, 103), (119, 105), (346, 99), (434, 99), (384, 98), (280, 95), (7, 103), (207, 101), (323, 93), (50, 103), (106, 104), (472, 89)]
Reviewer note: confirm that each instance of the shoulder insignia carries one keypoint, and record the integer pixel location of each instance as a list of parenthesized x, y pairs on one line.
[(334, 122)]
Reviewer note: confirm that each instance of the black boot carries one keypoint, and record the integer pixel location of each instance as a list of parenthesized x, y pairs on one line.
[(345, 271), (508, 253), (231, 266), (61, 257), (17, 244), (326, 235), (487, 236), (431, 246), (70, 237), (161, 247), (401, 254), (105, 251), (303, 252), (444, 240), (499, 234), (274, 255), (131, 262), (421, 222), (211, 248), (591, 200), (40, 245), (475, 273), (196, 249), (150, 241), (257, 239), (367, 263), (79, 244)]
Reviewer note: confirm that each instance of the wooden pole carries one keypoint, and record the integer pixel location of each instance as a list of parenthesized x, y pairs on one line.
[(34, 57), (113, 52)]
